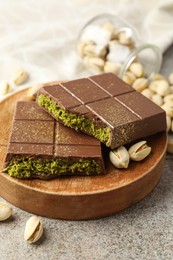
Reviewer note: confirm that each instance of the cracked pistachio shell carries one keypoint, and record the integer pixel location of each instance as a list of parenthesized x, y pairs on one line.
[(168, 109), (129, 78), (147, 93), (32, 92), (168, 123), (124, 38), (139, 151), (137, 69), (108, 26), (80, 49), (119, 157), (111, 67), (157, 76), (157, 99), (162, 87), (5, 87), (5, 211), (169, 99), (95, 63), (90, 50), (140, 84), (20, 76), (33, 229)]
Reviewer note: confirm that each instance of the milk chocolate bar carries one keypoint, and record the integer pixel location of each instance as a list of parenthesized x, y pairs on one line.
[(103, 106), (40, 147)]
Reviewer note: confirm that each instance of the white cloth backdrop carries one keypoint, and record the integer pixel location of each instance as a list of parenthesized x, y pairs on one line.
[(40, 35)]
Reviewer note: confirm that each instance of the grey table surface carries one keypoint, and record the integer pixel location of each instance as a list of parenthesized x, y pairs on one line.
[(144, 231)]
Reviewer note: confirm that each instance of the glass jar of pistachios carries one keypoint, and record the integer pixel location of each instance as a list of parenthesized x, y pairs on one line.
[(108, 44)]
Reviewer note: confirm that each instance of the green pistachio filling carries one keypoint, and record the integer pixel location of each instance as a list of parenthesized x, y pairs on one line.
[(28, 167), (74, 121)]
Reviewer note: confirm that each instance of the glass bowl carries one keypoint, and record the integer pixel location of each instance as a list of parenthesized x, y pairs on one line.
[(107, 43)]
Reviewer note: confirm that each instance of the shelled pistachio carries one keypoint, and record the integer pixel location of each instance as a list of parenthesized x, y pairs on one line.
[(5, 87), (5, 211), (20, 76)]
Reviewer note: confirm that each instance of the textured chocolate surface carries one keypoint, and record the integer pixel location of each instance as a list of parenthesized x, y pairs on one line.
[(35, 134), (109, 102)]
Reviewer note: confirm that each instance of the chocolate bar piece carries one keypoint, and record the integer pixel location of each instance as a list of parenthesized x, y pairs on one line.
[(105, 107), (40, 147)]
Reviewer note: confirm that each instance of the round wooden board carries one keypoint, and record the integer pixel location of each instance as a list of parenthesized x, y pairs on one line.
[(79, 198)]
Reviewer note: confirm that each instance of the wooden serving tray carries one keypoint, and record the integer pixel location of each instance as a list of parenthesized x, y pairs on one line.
[(79, 198)]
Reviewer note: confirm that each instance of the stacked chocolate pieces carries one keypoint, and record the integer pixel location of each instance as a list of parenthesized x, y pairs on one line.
[(103, 107)]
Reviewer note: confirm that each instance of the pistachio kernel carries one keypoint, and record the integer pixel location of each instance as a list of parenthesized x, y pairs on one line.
[(5, 211), (119, 157), (139, 151)]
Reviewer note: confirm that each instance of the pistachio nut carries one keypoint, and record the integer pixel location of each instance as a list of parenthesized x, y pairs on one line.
[(114, 35), (169, 99), (31, 94), (147, 93), (168, 109), (157, 76), (124, 38), (108, 27), (162, 87), (80, 49), (5, 211), (20, 76), (157, 99), (140, 84), (33, 229), (153, 86), (171, 89), (129, 78), (96, 63), (168, 123), (111, 67), (137, 69), (93, 50), (4, 87), (139, 151), (119, 157)]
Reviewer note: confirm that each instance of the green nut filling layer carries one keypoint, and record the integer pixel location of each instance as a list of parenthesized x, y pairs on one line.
[(27, 167), (74, 121)]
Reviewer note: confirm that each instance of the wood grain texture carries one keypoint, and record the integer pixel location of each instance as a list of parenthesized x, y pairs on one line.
[(79, 198)]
